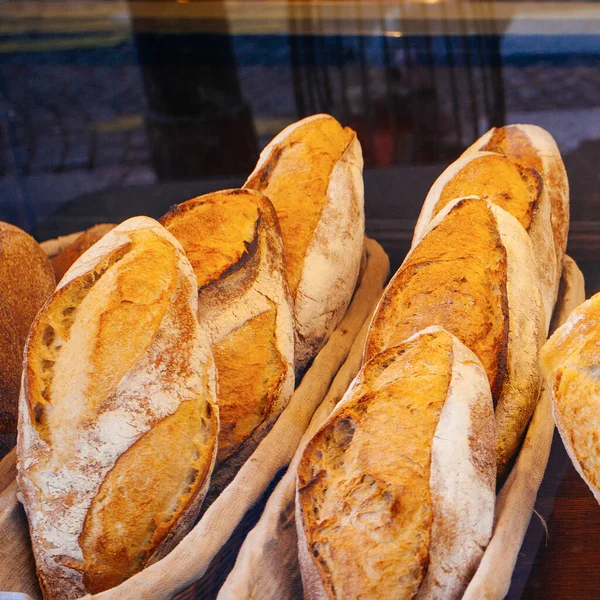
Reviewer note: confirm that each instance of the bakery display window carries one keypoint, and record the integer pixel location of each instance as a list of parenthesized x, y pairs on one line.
[(113, 109)]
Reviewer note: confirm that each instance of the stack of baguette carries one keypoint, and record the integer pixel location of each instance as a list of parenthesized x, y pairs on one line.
[(168, 351), (396, 491)]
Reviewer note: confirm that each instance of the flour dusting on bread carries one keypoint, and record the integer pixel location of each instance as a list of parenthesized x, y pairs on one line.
[(101, 373)]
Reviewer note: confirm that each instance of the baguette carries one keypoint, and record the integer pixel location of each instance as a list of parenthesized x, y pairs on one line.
[(474, 274), (519, 168), (312, 173), (234, 245), (27, 282), (62, 261), (570, 363), (395, 493), (533, 147), (515, 501), (118, 422)]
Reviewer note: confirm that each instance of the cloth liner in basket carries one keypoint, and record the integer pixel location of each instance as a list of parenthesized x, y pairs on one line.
[(267, 566), (189, 561)]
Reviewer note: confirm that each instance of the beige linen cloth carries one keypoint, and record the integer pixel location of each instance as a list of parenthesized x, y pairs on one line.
[(189, 561)]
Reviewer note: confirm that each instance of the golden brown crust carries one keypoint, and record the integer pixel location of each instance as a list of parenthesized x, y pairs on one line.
[(570, 362), (62, 261), (462, 480), (233, 241), (455, 278), (527, 331), (511, 141), (487, 291), (394, 499), (26, 273), (364, 485), (117, 425), (312, 172), (533, 147), (519, 169), (27, 282), (499, 180), (218, 232), (10, 380), (296, 179), (180, 455), (251, 371)]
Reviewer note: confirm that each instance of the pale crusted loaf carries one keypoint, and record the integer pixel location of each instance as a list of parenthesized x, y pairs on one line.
[(312, 173), (570, 362), (26, 282), (395, 493), (474, 273), (233, 242), (118, 422)]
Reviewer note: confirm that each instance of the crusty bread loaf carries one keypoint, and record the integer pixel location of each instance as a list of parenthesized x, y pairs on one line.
[(312, 173), (234, 244), (520, 169), (533, 147), (570, 362), (474, 273), (395, 493), (62, 261), (11, 361), (118, 423), (26, 282)]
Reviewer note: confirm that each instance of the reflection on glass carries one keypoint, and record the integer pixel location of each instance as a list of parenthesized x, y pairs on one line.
[(103, 94)]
